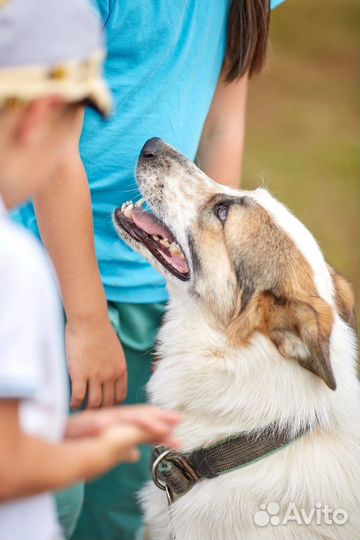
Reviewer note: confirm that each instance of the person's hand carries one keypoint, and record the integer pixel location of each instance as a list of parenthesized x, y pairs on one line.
[(96, 363), (146, 417), (118, 441)]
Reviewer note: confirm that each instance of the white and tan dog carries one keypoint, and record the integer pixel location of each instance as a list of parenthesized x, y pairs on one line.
[(256, 334)]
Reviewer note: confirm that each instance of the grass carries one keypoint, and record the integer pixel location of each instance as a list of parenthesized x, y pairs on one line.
[(303, 124)]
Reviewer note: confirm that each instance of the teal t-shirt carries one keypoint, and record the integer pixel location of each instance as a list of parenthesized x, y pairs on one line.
[(163, 64)]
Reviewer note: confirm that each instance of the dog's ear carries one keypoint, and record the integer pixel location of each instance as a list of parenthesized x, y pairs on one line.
[(301, 331), (344, 298)]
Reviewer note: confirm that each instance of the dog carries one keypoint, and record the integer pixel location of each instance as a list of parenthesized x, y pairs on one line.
[(257, 341)]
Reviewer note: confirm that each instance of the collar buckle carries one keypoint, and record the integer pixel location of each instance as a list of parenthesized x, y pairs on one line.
[(171, 472)]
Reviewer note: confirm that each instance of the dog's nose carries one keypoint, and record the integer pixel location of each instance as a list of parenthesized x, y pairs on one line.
[(152, 148)]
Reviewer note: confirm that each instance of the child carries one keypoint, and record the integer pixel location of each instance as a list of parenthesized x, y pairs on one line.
[(50, 62)]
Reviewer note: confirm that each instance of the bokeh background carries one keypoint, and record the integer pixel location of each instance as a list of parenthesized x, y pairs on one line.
[(303, 124)]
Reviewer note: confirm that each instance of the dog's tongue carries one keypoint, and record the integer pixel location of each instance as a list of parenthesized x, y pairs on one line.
[(177, 262), (150, 224)]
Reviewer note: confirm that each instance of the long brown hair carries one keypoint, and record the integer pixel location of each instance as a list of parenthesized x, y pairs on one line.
[(248, 29)]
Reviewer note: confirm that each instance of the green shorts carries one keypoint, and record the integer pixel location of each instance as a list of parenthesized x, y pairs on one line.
[(110, 508)]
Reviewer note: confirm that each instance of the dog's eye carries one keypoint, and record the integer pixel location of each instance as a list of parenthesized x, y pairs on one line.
[(221, 212)]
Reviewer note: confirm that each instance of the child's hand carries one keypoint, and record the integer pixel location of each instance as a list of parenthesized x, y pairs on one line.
[(118, 439), (156, 422), (119, 444)]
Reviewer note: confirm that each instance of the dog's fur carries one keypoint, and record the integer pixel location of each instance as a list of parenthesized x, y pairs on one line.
[(258, 335)]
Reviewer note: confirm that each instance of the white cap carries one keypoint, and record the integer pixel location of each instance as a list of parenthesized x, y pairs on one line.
[(52, 47)]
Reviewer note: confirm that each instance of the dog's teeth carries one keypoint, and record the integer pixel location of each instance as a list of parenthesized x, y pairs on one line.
[(123, 207), (140, 203), (128, 210), (174, 249), (157, 238), (165, 242)]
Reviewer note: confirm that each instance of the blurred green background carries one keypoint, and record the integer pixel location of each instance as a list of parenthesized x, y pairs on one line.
[(303, 124)]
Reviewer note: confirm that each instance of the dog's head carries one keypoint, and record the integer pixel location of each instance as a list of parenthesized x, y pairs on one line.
[(241, 254)]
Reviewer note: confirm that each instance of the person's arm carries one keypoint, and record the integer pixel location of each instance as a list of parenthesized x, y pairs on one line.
[(95, 357), (29, 465), (220, 152)]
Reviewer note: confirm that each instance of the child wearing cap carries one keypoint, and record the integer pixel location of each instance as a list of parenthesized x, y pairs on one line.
[(41, 90)]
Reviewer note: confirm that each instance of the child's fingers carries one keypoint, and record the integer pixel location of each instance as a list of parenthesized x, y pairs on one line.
[(133, 455), (129, 455), (130, 435), (82, 424), (127, 436), (171, 442), (154, 422), (157, 428), (170, 417), (142, 414)]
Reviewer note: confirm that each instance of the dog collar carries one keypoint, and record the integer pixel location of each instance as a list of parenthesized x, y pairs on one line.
[(177, 472)]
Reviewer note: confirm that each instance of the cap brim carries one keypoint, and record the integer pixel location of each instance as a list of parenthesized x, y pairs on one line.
[(98, 95), (74, 81)]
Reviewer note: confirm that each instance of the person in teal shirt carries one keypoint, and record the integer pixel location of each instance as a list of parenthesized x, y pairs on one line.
[(178, 70)]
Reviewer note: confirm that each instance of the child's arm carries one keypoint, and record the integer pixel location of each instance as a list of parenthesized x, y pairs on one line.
[(220, 151), (95, 357), (29, 465)]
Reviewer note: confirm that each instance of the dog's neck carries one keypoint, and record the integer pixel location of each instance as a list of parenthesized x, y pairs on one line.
[(222, 390)]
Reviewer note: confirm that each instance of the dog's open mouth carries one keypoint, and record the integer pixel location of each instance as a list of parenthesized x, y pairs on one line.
[(155, 236)]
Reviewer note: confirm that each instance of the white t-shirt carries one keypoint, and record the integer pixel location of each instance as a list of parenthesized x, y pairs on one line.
[(32, 366)]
